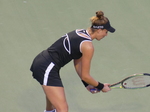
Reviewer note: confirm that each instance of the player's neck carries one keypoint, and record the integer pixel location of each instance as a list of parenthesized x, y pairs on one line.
[(91, 33)]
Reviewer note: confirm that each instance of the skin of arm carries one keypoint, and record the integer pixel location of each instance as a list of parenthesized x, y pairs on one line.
[(82, 67)]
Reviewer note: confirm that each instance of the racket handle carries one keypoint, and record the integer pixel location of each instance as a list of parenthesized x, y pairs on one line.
[(92, 90)]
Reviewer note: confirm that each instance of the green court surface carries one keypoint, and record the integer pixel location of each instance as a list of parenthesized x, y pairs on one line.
[(29, 26)]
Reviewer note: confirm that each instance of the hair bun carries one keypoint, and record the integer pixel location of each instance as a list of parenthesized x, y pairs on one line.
[(100, 14)]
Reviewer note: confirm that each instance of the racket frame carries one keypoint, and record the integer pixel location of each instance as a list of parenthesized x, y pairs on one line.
[(112, 86), (131, 76)]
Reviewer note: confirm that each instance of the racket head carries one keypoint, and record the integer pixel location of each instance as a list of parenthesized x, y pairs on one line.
[(136, 81)]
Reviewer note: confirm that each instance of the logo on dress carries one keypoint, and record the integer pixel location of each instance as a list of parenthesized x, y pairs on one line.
[(66, 43)]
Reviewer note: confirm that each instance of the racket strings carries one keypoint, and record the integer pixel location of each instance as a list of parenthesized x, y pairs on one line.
[(137, 82)]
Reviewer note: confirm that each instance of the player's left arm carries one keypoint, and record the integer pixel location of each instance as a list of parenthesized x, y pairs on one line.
[(77, 65), (82, 65)]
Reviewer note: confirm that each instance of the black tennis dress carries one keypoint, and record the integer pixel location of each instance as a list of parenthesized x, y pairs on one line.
[(47, 64)]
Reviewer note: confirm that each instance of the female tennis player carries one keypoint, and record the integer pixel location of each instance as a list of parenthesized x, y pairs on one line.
[(77, 46)]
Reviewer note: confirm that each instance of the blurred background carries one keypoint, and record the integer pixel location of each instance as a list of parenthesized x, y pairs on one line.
[(29, 26)]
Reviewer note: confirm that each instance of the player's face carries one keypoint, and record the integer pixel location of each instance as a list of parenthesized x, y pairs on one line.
[(101, 34)]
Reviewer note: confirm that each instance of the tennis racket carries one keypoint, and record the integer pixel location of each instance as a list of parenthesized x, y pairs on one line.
[(135, 81)]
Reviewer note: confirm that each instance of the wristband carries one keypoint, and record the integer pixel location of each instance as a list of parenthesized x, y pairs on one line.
[(100, 86), (85, 84)]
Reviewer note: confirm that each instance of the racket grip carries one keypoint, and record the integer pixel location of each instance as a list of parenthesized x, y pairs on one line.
[(92, 90)]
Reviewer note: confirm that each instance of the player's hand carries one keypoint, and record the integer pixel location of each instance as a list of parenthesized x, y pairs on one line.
[(106, 87), (92, 89)]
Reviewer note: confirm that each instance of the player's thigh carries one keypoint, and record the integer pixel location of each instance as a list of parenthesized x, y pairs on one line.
[(56, 96)]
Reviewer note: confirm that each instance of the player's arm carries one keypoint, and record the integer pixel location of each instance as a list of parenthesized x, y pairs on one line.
[(82, 65), (87, 50), (77, 65)]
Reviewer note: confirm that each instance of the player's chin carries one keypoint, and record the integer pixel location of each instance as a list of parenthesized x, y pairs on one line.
[(99, 39)]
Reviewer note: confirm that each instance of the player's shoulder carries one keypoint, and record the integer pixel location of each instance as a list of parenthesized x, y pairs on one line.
[(87, 46)]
